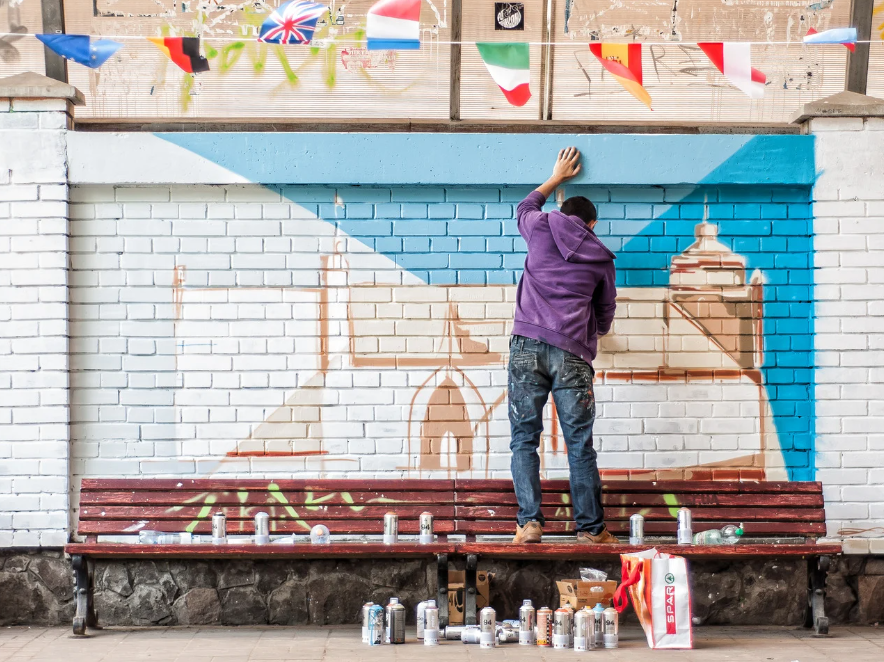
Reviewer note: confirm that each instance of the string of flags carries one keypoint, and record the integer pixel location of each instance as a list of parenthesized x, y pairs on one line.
[(395, 25)]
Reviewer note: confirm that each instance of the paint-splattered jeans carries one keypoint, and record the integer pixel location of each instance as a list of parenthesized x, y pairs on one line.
[(535, 369)]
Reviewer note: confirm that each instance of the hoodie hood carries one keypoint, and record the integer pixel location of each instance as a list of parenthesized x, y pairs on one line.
[(575, 241)]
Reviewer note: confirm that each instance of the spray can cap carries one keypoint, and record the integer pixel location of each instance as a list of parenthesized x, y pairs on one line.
[(526, 603), (431, 603), (598, 607), (394, 601)]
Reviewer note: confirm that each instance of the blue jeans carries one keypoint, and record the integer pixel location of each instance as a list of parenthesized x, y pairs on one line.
[(535, 369)]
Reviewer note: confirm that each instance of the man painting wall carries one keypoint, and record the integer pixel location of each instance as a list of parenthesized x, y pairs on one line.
[(565, 300)]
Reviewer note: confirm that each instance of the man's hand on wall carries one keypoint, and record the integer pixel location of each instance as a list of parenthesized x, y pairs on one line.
[(567, 167)]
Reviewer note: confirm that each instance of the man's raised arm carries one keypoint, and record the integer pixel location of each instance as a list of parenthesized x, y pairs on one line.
[(567, 166)]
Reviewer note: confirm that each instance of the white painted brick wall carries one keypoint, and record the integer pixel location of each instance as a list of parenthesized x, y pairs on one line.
[(849, 333), (34, 392)]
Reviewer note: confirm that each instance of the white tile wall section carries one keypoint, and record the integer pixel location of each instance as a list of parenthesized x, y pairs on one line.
[(849, 332), (34, 394)]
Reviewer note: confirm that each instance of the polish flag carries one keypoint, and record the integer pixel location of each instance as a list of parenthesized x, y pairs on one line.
[(734, 60), (394, 25)]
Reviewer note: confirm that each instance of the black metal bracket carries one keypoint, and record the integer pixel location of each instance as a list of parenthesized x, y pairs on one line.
[(469, 593), (817, 569), (442, 588), (85, 615)]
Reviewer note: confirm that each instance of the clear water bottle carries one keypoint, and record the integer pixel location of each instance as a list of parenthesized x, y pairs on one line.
[(730, 534), (319, 535), (710, 537)]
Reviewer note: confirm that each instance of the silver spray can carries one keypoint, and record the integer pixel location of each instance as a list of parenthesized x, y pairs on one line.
[(583, 640), (219, 528), (397, 623), (507, 634), (366, 608), (421, 608), (388, 618), (375, 625), (453, 632), (426, 530), (571, 631), (471, 635), (488, 628), (561, 636), (685, 525), (262, 528), (431, 624), (636, 529), (611, 628), (598, 624), (527, 623), (391, 528)]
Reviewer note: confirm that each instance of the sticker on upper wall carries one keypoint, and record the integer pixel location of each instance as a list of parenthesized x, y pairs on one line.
[(509, 16)]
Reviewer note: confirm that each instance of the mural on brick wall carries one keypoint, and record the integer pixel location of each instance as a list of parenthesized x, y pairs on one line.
[(401, 354)]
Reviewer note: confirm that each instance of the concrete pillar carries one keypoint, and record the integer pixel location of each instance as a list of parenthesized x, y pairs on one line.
[(848, 209), (35, 114)]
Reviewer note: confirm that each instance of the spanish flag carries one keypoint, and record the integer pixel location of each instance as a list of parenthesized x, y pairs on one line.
[(624, 62), (183, 51)]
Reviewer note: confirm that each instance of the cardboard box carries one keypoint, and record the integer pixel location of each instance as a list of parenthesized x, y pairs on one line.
[(456, 580), (578, 593)]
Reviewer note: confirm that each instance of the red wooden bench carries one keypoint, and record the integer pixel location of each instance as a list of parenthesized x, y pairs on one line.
[(780, 519), (113, 511)]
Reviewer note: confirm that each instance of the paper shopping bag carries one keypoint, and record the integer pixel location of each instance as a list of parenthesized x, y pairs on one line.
[(660, 591)]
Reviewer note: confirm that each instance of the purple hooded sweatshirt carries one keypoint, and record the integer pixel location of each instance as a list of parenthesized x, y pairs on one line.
[(567, 292)]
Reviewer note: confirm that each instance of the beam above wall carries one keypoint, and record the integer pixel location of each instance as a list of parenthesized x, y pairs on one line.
[(397, 159)]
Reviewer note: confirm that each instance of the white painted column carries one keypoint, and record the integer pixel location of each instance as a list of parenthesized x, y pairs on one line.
[(848, 204), (35, 114)]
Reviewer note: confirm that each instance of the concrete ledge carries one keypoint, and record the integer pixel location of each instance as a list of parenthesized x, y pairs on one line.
[(843, 104), (34, 86)]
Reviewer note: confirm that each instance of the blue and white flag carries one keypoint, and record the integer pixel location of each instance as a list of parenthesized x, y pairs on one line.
[(80, 48), (846, 36)]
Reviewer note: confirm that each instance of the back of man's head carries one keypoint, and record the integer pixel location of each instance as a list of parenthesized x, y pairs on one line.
[(580, 207)]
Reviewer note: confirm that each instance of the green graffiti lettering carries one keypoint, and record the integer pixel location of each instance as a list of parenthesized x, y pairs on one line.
[(672, 501)]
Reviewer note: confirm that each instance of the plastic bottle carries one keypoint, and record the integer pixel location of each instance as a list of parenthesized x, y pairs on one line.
[(710, 537), (730, 534), (319, 535), (727, 535)]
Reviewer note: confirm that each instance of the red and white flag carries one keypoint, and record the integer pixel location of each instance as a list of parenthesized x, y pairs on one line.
[(734, 60)]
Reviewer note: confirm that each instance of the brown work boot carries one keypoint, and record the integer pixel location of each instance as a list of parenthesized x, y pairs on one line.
[(603, 538), (531, 532)]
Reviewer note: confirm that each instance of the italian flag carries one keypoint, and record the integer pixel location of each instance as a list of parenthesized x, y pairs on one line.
[(509, 66)]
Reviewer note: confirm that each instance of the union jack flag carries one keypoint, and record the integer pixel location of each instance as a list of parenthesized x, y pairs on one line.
[(292, 23)]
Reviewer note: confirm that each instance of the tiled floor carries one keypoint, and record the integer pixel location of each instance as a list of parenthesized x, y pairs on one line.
[(249, 644)]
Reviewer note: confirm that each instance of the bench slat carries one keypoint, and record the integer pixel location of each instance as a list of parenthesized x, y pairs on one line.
[(657, 486), (567, 551), (234, 513), (553, 513), (256, 484), (281, 526), (232, 497), (298, 551), (786, 529), (639, 500)]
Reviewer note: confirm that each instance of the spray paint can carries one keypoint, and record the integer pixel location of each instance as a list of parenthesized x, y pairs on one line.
[(561, 634), (571, 631), (598, 624), (426, 530), (262, 528), (612, 628), (636, 529), (507, 634), (453, 632), (583, 640), (431, 624), (219, 529), (544, 627), (527, 623), (366, 608), (685, 533), (487, 626), (421, 607), (396, 626), (471, 634), (391, 528), (388, 619), (375, 625)]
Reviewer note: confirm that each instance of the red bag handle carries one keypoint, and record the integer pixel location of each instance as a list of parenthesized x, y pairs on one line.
[(621, 595)]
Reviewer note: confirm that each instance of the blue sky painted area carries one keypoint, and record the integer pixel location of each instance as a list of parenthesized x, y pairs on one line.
[(439, 226)]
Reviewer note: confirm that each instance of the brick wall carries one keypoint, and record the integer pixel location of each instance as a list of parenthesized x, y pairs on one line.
[(849, 253), (340, 331), (34, 439)]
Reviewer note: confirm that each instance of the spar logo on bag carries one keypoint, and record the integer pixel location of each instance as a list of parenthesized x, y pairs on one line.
[(670, 603)]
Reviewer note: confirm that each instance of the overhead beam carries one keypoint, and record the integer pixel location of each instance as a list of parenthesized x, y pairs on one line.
[(53, 23), (858, 61)]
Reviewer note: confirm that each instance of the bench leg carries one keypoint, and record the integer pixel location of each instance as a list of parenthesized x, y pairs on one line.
[(442, 589), (85, 616), (817, 568), (469, 594)]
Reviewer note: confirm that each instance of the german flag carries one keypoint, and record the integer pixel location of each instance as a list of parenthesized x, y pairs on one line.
[(624, 62), (183, 51)]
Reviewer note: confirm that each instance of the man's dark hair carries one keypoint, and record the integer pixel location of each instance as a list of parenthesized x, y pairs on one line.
[(580, 207)]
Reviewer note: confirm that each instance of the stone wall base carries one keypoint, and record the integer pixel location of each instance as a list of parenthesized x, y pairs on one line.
[(37, 589)]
